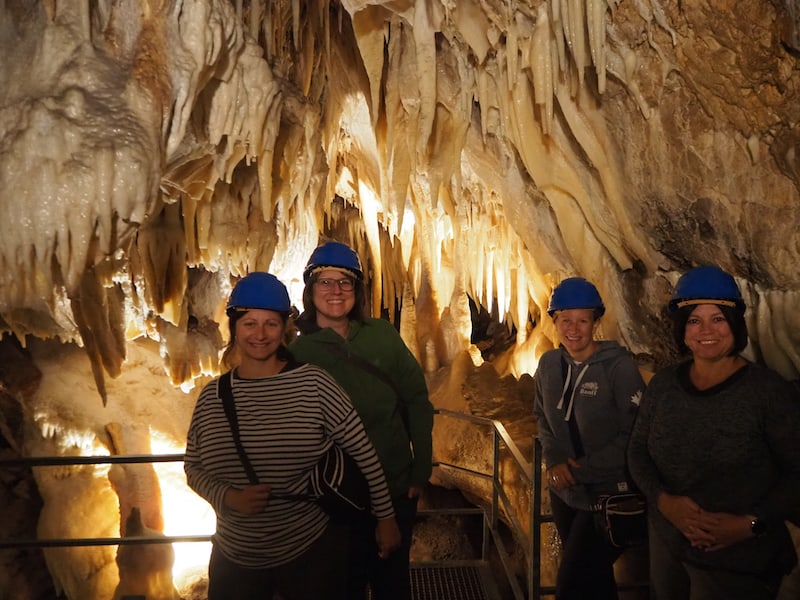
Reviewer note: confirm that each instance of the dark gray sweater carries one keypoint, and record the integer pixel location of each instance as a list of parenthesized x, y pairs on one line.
[(734, 448)]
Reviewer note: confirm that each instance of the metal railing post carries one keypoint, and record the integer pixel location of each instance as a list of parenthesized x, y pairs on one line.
[(536, 521)]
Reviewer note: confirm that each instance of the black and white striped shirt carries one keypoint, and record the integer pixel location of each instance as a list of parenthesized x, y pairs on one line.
[(286, 423)]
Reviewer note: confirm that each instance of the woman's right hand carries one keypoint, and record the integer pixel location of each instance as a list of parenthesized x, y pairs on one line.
[(560, 476), (387, 536), (249, 500)]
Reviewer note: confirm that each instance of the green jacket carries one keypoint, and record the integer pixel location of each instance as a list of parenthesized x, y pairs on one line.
[(375, 400)]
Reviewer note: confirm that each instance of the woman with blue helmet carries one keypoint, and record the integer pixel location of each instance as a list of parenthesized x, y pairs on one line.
[(715, 450), (369, 359), (270, 536), (586, 396)]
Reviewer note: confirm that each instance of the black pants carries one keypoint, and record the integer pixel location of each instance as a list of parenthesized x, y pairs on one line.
[(586, 571), (317, 574), (388, 578)]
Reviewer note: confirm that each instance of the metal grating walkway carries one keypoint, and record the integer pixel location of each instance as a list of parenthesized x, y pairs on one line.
[(463, 581), (449, 583)]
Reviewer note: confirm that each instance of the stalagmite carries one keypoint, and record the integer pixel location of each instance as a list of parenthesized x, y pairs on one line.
[(145, 570)]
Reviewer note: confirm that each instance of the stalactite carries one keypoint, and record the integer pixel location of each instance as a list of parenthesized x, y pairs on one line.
[(424, 35), (99, 317), (543, 71), (370, 28), (595, 24), (158, 263)]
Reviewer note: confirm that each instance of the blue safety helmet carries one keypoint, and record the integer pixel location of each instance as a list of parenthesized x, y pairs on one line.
[(576, 292), (706, 285), (333, 255), (259, 290)]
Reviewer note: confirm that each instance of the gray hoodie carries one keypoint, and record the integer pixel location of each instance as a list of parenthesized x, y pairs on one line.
[(606, 390)]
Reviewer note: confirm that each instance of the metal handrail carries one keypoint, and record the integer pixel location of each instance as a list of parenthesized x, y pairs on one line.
[(531, 472), (53, 461), (122, 541), (501, 438)]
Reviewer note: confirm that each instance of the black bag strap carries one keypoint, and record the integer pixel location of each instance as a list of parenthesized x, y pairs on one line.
[(225, 393), (366, 365), (574, 434)]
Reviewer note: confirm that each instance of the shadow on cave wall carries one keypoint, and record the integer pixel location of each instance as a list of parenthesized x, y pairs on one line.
[(20, 569)]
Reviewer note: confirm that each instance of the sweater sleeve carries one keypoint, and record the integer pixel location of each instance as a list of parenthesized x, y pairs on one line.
[(410, 380), (349, 434), (208, 487), (544, 432), (642, 468), (781, 427)]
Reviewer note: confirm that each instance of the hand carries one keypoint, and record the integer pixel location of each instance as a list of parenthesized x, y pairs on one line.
[(686, 515), (387, 536), (250, 500), (730, 529), (560, 476), (415, 491)]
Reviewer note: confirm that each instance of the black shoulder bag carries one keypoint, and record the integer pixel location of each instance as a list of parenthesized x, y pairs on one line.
[(621, 517), (336, 482)]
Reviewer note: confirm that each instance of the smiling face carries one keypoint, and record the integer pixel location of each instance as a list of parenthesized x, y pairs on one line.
[(576, 327), (333, 304), (259, 334), (708, 334)]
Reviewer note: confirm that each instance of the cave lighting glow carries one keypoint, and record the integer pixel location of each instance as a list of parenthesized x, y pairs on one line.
[(185, 513)]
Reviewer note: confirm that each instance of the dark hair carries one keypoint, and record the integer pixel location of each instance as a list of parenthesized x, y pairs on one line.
[(228, 360), (733, 316), (307, 322)]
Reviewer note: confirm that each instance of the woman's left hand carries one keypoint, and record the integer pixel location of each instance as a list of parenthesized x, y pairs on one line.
[(414, 491), (728, 530), (387, 536)]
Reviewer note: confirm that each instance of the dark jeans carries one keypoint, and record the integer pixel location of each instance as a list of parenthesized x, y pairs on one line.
[(388, 578), (317, 574), (586, 570)]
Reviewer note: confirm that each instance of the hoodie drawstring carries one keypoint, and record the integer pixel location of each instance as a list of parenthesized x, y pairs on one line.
[(567, 385)]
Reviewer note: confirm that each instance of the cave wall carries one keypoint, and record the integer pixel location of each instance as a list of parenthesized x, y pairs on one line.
[(152, 153)]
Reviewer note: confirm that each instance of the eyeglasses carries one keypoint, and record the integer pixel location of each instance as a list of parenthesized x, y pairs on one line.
[(345, 285)]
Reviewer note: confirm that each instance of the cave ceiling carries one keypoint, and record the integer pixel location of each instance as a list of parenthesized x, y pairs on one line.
[(152, 152)]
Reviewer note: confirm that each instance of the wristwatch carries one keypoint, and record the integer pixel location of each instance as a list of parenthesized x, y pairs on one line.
[(758, 526)]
